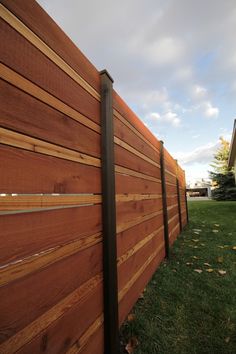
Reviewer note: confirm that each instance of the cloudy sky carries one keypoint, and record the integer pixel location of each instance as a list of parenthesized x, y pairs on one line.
[(173, 62)]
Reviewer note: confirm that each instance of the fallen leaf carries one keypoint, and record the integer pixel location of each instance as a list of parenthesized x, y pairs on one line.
[(222, 272), (197, 230), (131, 317), (221, 246), (198, 271), (195, 240), (189, 263), (234, 248), (209, 270), (174, 270), (230, 234), (217, 225), (195, 257), (220, 259), (131, 345), (215, 231), (207, 264), (227, 339), (202, 244)]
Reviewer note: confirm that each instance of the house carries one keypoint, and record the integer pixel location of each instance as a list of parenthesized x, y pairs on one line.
[(199, 188), (232, 151)]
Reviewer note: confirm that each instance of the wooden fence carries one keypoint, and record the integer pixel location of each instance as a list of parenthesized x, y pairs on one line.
[(55, 281)]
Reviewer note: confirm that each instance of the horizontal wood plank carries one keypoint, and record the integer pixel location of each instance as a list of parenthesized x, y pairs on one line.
[(130, 211), (32, 89), (28, 172), (127, 159), (29, 233), (77, 325), (18, 110), (46, 289), (136, 185), (35, 18), (31, 264), (126, 132), (40, 70), (8, 137), (19, 202)]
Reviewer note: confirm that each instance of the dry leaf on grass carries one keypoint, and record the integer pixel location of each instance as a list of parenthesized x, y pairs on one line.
[(220, 259), (207, 264), (195, 239), (215, 231), (197, 230), (195, 257), (234, 248), (209, 270), (227, 339), (131, 317), (221, 246), (198, 271), (131, 345), (189, 263), (222, 272), (217, 225)]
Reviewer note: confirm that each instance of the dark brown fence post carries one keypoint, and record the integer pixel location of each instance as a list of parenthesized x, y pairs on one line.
[(178, 196), (111, 326), (164, 201)]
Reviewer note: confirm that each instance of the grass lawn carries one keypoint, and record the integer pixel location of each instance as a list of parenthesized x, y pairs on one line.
[(189, 312)]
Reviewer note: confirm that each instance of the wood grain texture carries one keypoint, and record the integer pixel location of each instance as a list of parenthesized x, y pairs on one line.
[(95, 343), (120, 227), (31, 264), (130, 172), (130, 211), (8, 137), (127, 239), (134, 260), (28, 172), (29, 233), (45, 289), (126, 132), (34, 17), (19, 202), (30, 36), (39, 69), (131, 184), (49, 316), (139, 245), (121, 107), (75, 327), (18, 110), (127, 159), (131, 293), (29, 87)]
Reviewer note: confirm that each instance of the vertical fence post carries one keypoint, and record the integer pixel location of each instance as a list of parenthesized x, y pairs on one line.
[(178, 196), (111, 327), (186, 202), (164, 201)]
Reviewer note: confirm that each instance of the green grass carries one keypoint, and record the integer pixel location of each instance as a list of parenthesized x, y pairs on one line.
[(184, 312)]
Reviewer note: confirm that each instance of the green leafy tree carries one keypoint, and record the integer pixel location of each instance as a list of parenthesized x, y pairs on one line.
[(223, 176)]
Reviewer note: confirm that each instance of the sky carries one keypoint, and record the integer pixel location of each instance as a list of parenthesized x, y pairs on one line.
[(172, 61)]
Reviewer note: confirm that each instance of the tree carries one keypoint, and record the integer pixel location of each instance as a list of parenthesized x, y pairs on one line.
[(223, 176)]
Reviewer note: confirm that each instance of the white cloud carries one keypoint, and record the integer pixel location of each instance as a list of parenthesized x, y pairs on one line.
[(202, 154), (199, 91), (169, 117), (210, 111)]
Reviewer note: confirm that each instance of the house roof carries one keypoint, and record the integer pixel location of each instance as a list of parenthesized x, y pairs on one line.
[(232, 151)]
